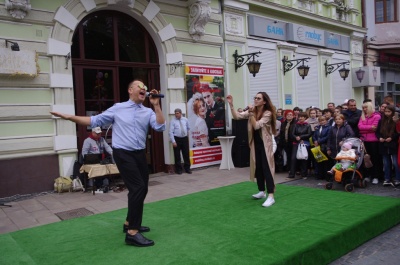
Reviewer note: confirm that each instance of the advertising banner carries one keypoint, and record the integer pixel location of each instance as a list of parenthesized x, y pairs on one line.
[(206, 113), (366, 76)]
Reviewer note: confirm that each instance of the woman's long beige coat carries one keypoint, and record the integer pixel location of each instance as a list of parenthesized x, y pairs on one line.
[(265, 124)]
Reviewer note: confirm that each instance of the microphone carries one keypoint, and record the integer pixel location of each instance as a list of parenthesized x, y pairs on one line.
[(148, 94), (246, 108)]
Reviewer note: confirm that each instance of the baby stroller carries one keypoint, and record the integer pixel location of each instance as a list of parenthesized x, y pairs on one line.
[(351, 176)]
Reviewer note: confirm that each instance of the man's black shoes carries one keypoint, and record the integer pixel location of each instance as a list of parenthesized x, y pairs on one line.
[(142, 229), (179, 172), (138, 240), (188, 171)]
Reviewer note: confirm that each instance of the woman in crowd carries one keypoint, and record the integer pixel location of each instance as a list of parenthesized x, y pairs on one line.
[(301, 133), (328, 113), (261, 130), (320, 138), (367, 126), (286, 141), (388, 147), (312, 120), (338, 133)]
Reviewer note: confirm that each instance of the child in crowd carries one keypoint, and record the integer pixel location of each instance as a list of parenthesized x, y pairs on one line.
[(345, 157)]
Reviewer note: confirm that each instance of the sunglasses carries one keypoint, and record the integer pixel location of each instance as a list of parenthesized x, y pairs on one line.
[(142, 86), (257, 98)]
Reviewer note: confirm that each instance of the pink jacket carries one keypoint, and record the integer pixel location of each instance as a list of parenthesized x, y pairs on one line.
[(365, 127)]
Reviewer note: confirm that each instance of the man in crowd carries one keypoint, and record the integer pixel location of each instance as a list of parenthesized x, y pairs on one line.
[(352, 115), (131, 122), (331, 106), (178, 135)]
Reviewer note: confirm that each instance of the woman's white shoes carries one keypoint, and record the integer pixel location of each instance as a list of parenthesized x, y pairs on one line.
[(259, 195), (268, 202)]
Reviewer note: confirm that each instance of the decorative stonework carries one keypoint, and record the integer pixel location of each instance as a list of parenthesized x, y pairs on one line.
[(18, 8), (121, 2), (356, 48), (234, 24), (199, 15)]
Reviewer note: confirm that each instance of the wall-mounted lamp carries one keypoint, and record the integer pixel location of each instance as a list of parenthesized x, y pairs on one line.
[(374, 72), (330, 68), (173, 66), (289, 65), (67, 58), (253, 65), (14, 46), (360, 74)]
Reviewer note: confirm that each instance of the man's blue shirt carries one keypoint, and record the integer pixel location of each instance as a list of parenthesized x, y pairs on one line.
[(175, 128), (130, 122)]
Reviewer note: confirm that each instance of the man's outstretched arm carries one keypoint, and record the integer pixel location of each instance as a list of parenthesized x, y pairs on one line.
[(82, 120)]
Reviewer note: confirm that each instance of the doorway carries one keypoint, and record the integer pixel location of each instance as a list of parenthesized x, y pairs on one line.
[(109, 50)]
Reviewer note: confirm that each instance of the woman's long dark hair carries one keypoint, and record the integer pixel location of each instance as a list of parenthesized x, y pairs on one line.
[(388, 126), (268, 106)]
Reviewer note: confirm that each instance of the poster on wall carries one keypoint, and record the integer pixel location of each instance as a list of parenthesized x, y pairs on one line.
[(206, 113)]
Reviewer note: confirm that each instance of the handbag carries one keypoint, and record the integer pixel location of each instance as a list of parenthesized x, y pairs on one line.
[(62, 184), (318, 154), (302, 153), (367, 159), (77, 185)]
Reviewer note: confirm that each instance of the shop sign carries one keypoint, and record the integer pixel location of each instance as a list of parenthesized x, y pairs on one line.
[(366, 76), (337, 42), (18, 63), (262, 27), (307, 35)]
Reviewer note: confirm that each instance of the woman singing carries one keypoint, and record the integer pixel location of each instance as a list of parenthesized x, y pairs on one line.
[(261, 130)]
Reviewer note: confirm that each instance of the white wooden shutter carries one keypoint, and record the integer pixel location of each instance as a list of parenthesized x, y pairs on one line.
[(307, 89), (266, 80), (341, 89)]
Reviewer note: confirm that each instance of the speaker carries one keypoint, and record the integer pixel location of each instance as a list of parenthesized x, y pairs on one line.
[(241, 155), (240, 146), (239, 129)]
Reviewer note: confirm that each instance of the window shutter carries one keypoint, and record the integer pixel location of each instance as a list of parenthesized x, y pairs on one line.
[(266, 79)]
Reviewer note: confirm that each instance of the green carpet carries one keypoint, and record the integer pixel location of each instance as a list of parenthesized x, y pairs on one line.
[(220, 226)]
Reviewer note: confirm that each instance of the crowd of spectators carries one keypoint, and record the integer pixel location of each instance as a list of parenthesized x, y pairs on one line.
[(379, 130)]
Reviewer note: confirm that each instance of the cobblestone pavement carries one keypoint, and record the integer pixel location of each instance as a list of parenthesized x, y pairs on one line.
[(383, 249)]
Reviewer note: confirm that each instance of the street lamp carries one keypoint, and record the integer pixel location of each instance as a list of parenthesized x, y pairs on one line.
[(14, 46), (289, 65), (330, 68), (253, 65)]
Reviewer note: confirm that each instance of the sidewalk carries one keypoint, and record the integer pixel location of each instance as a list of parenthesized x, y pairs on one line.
[(43, 209)]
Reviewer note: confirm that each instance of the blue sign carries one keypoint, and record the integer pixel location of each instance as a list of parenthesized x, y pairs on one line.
[(304, 34), (337, 42), (262, 27)]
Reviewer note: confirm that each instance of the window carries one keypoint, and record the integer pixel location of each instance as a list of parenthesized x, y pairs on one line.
[(385, 11)]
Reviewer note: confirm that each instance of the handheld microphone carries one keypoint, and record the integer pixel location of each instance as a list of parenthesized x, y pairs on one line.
[(246, 108), (148, 94)]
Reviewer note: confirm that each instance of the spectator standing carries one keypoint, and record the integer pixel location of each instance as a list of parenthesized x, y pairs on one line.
[(331, 106), (312, 119), (388, 146), (339, 132), (352, 115), (286, 140), (301, 134), (367, 126), (320, 138), (178, 135), (328, 113)]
